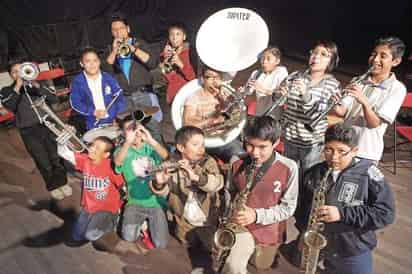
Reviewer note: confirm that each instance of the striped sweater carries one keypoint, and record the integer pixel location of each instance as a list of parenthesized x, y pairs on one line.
[(301, 110)]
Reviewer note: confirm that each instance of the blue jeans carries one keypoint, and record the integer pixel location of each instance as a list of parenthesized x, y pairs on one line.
[(133, 218), (305, 157), (359, 264), (93, 226)]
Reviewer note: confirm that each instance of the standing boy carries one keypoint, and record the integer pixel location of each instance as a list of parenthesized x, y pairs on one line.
[(273, 185), (358, 202), (374, 103)]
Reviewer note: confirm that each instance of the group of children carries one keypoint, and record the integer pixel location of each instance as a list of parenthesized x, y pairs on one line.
[(358, 201)]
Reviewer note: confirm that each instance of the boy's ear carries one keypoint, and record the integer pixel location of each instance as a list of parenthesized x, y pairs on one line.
[(180, 147), (107, 155), (355, 150), (81, 65)]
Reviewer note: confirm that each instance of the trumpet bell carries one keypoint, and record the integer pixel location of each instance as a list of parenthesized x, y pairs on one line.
[(242, 35)]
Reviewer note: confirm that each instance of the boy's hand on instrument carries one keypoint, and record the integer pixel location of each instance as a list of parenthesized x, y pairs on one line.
[(177, 61), (329, 214), (283, 90), (184, 164), (100, 113), (355, 91), (336, 97), (162, 177), (145, 134), (245, 217)]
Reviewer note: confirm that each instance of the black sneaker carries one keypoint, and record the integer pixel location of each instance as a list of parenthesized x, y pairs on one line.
[(291, 253)]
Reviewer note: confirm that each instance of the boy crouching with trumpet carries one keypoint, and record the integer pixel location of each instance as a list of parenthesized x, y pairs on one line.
[(264, 188), (141, 150), (358, 201), (100, 201), (192, 189)]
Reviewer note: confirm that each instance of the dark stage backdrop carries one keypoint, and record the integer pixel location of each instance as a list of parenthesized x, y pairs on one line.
[(43, 30)]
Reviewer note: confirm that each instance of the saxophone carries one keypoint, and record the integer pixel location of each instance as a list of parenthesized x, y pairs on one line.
[(225, 237), (313, 238)]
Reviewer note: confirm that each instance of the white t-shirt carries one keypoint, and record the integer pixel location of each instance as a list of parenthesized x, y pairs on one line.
[(386, 99), (269, 81), (95, 86)]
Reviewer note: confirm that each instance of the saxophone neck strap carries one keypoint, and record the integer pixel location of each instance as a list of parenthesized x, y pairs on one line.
[(261, 171)]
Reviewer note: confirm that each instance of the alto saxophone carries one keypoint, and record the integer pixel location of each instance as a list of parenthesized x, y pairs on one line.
[(313, 238), (225, 237)]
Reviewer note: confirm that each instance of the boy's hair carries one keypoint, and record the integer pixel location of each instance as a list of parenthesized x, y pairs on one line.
[(119, 17), (107, 141), (88, 50), (206, 68), (396, 45), (12, 63), (333, 49), (178, 25), (275, 51), (342, 133), (264, 127), (184, 134)]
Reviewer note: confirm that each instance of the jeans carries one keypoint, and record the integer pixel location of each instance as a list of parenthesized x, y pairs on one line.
[(93, 226), (133, 218), (137, 101), (359, 264), (306, 157)]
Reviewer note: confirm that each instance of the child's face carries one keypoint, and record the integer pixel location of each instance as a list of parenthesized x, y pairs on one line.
[(91, 63), (176, 37), (194, 149), (120, 30), (339, 155), (138, 139), (260, 150), (269, 62), (211, 80), (319, 59), (97, 151), (382, 60)]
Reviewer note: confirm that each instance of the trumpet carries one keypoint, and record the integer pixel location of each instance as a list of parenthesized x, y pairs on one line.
[(311, 126), (167, 66), (123, 49)]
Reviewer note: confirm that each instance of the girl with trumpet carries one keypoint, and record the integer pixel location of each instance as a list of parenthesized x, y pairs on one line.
[(307, 93)]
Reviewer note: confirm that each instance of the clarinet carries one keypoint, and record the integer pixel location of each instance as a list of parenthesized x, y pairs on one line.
[(311, 126), (289, 83)]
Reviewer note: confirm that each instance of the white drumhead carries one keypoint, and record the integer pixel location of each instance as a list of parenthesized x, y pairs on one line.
[(177, 115), (231, 39), (111, 132)]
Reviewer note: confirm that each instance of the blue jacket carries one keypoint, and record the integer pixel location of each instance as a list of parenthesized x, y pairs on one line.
[(365, 202), (81, 99)]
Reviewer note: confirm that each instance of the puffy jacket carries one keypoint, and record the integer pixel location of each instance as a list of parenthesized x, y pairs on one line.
[(365, 202)]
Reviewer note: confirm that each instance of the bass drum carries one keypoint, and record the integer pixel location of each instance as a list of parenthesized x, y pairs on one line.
[(110, 131), (177, 116)]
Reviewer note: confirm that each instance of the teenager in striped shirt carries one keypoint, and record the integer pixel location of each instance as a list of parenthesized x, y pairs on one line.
[(308, 93)]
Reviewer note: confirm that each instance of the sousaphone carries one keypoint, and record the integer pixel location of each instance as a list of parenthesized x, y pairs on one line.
[(230, 40)]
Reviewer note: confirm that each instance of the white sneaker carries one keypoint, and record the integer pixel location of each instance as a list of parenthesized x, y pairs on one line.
[(57, 194), (198, 270), (67, 190)]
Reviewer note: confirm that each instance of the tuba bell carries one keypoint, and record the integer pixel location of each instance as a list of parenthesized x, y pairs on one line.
[(235, 51)]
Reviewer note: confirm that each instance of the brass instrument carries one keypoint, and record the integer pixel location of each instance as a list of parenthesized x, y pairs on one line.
[(313, 238), (232, 108), (123, 50), (344, 93), (225, 237), (28, 71), (167, 66), (164, 166), (64, 135)]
